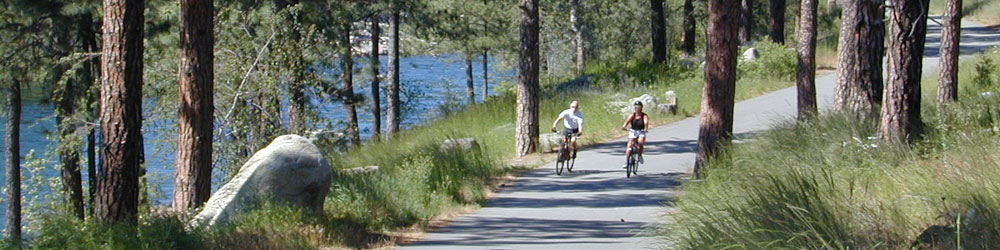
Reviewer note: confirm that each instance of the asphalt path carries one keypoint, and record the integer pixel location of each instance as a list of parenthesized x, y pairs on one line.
[(596, 207)]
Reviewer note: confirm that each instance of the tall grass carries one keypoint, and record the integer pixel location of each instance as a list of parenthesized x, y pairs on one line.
[(830, 183)]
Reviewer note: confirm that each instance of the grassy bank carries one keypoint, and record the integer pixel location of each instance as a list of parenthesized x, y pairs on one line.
[(830, 184), (417, 182)]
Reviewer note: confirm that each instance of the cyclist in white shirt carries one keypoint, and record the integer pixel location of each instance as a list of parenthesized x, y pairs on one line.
[(572, 122)]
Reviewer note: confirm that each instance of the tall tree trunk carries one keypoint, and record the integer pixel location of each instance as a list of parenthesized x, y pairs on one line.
[(950, 33), (776, 22), (716, 127), (687, 41), (394, 114), (296, 63), (12, 229), (347, 77), (859, 53), (746, 23), (901, 106), (91, 75), (806, 80), (577, 25), (486, 78), (526, 131), (470, 92), (67, 149), (66, 96), (658, 31), (193, 179), (121, 111), (373, 67)]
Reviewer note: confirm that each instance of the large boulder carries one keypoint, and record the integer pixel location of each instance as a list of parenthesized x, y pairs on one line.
[(291, 171), (549, 141)]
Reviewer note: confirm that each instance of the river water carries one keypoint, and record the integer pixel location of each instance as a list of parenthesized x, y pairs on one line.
[(430, 80)]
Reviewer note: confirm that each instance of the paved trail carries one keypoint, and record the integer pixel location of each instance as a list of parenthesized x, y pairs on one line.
[(596, 207)]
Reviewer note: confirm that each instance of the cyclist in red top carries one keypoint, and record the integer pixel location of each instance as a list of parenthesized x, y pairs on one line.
[(637, 124)]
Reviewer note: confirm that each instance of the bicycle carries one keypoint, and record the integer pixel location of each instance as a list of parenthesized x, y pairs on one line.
[(566, 159), (632, 159)]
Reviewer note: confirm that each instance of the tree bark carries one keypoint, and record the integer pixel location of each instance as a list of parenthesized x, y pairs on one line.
[(658, 31), (394, 114), (806, 80), (296, 86), (193, 178), (470, 92), (67, 149), (776, 22), (66, 96), (746, 24), (486, 72), (574, 18), (859, 53), (91, 77), (347, 90), (718, 96), (526, 131), (121, 111), (12, 229), (373, 67), (901, 106), (687, 41), (950, 33)]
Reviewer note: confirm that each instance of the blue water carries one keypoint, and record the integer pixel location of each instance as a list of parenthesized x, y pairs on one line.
[(435, 79)]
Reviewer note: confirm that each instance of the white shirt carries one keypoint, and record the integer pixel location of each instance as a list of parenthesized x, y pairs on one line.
[(571, 119)]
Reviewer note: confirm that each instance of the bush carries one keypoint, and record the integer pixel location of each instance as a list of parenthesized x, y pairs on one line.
[(985, 70), (776, 61)]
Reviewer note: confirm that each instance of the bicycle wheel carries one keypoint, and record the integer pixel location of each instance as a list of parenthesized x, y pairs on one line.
[(629, 162), (561, 160), (635, 161), (572, 161)]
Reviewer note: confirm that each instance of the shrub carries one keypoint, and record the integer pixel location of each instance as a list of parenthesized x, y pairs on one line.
[(776, 61)]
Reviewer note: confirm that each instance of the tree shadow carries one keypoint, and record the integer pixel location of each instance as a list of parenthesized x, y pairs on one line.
[(507, 231)]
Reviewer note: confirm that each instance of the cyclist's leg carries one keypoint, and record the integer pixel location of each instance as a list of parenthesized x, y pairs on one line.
[(642, 143), (628, 147), (574, 146)]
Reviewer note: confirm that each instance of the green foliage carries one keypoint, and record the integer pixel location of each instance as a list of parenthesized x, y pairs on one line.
[(985, 70), (776, 61), (63, 231), (830, 183)]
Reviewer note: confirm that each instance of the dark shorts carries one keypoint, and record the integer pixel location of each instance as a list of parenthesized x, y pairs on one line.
[(571, 132)]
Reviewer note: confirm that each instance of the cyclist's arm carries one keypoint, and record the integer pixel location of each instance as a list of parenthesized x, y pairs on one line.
[(580, 129), (645, 123), (627, 120), (556, 122)]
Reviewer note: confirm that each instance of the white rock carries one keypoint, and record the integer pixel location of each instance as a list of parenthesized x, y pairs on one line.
[(291, 170), (464, 144), (549, 141), (750, 55), (670, 103), (361, 170)]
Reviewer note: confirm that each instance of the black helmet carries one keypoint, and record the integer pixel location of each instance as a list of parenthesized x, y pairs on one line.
[(637, 103)]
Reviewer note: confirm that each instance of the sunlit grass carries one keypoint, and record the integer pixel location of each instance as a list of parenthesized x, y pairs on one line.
[(830, 183)]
